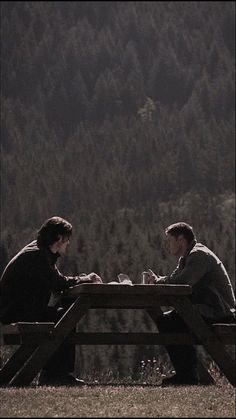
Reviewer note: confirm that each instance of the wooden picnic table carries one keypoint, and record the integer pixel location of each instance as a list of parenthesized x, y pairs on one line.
[(33, 352)]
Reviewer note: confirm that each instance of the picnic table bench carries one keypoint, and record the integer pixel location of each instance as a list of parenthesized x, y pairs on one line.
[(38, 341)]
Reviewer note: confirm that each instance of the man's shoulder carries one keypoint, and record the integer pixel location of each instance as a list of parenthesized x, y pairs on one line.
[(32, 246), (199, 247), (28, 255), (30, 251), (201, 250)]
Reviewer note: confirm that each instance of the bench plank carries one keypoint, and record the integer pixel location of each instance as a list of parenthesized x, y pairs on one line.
[(103, 338), (25, 332), (127, 338), (26, 327), (225, 328)]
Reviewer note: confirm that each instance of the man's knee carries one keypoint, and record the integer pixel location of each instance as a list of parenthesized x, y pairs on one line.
[(54, 314), (171, 322)]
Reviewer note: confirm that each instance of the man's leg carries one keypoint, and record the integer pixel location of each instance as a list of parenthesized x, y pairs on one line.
[(183, 357), (60, 366)]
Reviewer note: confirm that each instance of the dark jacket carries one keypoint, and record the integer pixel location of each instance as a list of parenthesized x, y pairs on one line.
[(212, 290), (27, 283)]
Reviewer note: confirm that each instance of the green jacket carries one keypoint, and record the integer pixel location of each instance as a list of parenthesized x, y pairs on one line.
[(212, 290)]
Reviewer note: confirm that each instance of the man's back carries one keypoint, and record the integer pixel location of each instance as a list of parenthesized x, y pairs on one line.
[(25, 285), (213, 291)]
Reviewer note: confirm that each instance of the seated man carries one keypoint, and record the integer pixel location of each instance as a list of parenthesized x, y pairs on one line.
[(212, 293), (26, 286)]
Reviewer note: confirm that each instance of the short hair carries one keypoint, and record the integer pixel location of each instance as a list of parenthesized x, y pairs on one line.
[(179, 228), (51, 229)]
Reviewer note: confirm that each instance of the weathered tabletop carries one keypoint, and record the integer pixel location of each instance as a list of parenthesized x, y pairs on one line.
[(127, 296)]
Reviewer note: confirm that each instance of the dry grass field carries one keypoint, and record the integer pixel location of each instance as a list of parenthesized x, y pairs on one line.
[(119, 401)]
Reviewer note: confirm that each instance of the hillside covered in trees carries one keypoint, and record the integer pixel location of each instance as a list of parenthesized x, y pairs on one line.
[(118, 116)]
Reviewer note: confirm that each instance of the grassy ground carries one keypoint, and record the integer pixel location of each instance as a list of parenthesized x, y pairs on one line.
[(119, 401), (107, 397)]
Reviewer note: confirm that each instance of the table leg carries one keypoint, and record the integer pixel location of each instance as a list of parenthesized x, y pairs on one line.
[(205, 334), (43, 352)]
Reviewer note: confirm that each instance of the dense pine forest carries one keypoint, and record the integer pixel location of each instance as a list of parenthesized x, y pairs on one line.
[(118, 116)]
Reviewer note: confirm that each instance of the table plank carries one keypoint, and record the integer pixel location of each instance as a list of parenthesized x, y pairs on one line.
[(144, 289), (127, 296), (125, 301)]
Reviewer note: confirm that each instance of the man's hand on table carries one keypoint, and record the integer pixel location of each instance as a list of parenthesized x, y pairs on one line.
[(149, 277), (91, 278)]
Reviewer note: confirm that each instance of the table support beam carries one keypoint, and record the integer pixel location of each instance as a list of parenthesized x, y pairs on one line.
[(206, 335), (44, 351), (13, 364)]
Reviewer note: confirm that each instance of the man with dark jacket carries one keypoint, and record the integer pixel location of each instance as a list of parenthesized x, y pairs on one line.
[(27, 284), (212, 293)]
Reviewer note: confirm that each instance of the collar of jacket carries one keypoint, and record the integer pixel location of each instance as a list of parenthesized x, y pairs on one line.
[(183, 258), (190, 247), (52, 257)]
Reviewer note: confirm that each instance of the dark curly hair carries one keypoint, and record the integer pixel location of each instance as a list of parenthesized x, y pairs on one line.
[(51, 229)]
